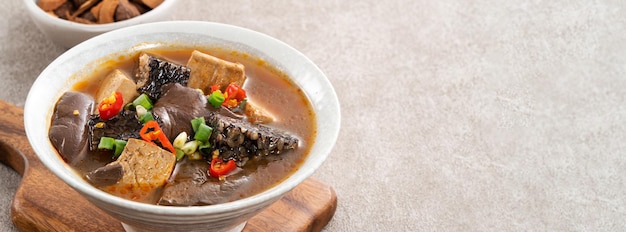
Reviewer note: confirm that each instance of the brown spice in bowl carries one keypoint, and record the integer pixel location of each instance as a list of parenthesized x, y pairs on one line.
[(97, 11)]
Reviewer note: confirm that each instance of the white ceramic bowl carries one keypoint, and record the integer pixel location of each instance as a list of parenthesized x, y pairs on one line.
[(59, 77), (67, 33)]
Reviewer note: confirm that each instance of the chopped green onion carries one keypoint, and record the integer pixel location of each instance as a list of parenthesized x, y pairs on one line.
[(180, 140), (146, 117), (116, 145), (119, 147), (205, 148), (143, 100), (143, 114), (216, 98), (190, 147), (203, 133), (196, 122), (129, 106), (179, 154), (140, 110), (106, 143)]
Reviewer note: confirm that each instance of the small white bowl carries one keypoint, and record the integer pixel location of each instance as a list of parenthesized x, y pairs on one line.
[(59, 76), (67, 33)]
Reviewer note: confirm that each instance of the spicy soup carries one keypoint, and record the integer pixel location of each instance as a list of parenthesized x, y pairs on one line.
[(189, 182)]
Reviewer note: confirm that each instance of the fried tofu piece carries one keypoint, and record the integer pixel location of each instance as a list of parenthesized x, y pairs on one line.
[(146, 168), (256, 114), (117, 81), (207, 70)]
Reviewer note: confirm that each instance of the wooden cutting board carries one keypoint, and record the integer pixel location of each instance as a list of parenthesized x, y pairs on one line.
[(45, 203)]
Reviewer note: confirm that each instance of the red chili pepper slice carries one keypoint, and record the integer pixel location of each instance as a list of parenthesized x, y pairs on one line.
[(111, 106), (233, 95), (219, 168), (155, 134), (235, 92)]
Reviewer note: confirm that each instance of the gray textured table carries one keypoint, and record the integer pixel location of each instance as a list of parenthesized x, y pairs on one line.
[(457, 115)]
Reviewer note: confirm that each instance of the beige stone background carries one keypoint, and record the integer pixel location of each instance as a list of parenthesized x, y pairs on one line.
[(456, 115)]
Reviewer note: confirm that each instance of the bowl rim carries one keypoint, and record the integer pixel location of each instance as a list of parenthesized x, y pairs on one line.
[(40, 14), (172, 27)]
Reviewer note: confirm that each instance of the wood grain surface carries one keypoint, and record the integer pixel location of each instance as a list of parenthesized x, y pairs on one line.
[(45, 203)]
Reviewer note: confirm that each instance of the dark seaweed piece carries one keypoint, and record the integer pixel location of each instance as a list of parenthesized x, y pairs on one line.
[(154, 73), (241, 141), (123, 126)]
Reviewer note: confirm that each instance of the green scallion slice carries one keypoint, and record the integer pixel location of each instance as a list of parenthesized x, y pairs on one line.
[(205, 148), (190, 147), (119, 147), (106, 143), (196, 122), (143, 100), (216, 98), (146, 117), (203, 133), (179, 154)]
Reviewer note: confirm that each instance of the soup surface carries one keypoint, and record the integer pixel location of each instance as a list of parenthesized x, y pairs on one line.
[(254, 141)]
